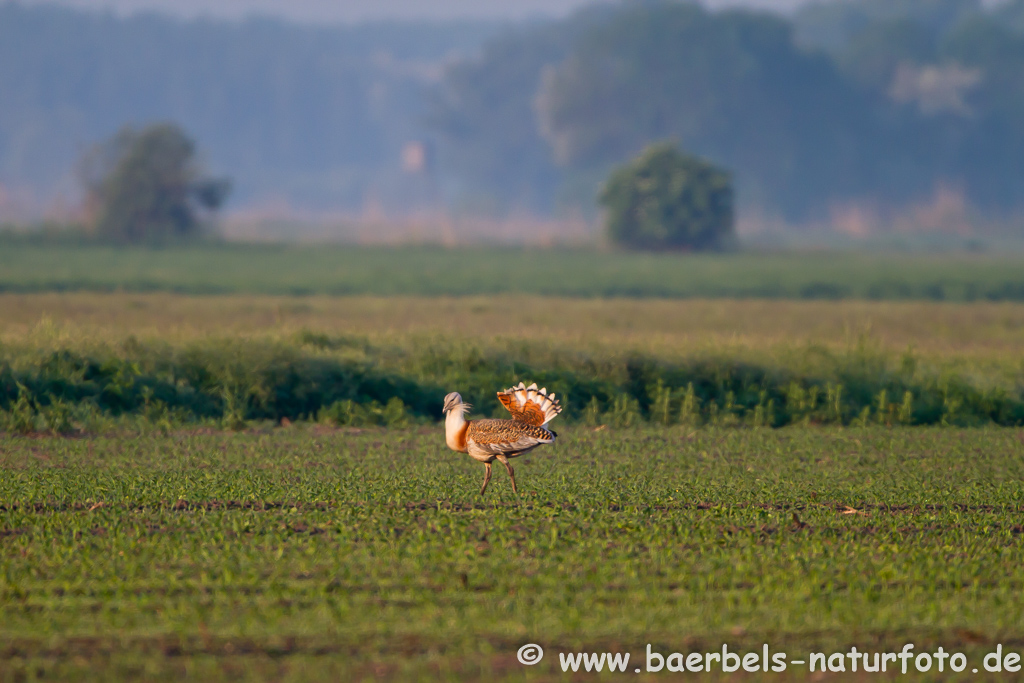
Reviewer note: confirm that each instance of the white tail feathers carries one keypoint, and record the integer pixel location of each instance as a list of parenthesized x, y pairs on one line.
[(530, 404)]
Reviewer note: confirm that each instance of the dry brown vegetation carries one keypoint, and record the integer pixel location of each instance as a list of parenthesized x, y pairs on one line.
[(660, 327)]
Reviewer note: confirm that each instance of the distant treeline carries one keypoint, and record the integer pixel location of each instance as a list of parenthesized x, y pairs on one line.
[(315, 377), (875, 102), (870, 101), (313, 116)]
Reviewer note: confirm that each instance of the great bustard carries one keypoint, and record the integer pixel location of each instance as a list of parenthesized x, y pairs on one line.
[(490, 440)]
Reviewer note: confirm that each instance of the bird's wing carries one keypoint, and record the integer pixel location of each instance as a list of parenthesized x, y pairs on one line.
[(530, 405), (501, 437)]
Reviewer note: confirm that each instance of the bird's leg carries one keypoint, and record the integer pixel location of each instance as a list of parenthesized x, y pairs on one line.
[(511, 473), (487, 477)]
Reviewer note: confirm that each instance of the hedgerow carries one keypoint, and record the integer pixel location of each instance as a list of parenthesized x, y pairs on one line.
[(314, 377)]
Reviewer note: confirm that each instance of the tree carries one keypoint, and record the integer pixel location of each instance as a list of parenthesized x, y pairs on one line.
[(146, 185), (484, 115), (872, 56), (729, 86), (832, 25), (665, 199)]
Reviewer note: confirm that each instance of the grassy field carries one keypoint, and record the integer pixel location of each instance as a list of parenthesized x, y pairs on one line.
[(307, 554), (431, 271), (67, 360), (208, 519), (662, 327)]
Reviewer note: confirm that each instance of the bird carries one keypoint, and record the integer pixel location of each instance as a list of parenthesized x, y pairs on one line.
[(489, 440)]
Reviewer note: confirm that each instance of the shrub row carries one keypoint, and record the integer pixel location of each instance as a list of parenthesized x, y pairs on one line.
[(232, 383), (236, 382)]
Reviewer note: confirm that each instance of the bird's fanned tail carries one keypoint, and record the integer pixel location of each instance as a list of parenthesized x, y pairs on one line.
[(529, 404)]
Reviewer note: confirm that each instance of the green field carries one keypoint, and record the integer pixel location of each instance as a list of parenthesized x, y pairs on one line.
[(255, 487), (434, 271), (84, 363), (311, 554)]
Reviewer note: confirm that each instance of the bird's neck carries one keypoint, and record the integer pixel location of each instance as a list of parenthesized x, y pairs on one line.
[(455, 425)]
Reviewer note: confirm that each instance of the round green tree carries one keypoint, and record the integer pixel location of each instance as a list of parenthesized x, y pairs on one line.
[(146, 185), (664, 199)]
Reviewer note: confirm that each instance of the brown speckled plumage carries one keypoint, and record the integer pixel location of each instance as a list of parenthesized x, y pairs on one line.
[(504, 431), (504, 437), (489, 440)]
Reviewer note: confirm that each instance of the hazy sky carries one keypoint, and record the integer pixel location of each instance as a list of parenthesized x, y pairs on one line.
[(359, 10)]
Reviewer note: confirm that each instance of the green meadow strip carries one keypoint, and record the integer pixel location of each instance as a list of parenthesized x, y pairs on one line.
[(470, 271), (348, 381)]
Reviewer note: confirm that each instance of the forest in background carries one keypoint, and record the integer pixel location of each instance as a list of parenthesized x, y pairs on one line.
[(840, 110), (300, 116)]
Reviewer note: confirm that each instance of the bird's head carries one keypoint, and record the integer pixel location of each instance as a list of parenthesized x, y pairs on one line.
[(453, 401)]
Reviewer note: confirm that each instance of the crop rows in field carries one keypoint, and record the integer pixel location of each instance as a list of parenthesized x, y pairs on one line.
[(311, 554)]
